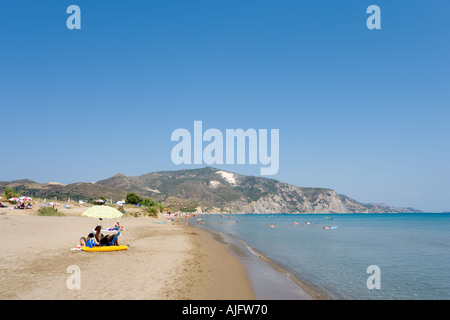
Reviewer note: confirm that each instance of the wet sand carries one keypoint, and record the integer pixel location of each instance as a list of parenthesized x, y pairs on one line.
[(270, 281)]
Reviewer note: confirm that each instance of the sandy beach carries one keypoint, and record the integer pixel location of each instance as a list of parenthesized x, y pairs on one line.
[(166, 260)]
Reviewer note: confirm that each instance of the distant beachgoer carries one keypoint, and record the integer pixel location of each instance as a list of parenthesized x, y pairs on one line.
[(97, 233), (118, 226), (83, 240), (90, 241), (104, 240)]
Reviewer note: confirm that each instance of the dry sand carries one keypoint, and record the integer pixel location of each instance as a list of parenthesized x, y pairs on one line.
[(164, 262)]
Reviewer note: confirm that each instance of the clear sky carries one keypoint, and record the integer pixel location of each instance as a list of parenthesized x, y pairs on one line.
[(364, 112)]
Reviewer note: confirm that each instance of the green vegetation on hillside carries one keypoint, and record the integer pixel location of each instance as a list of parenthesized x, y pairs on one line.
[(152, 207)]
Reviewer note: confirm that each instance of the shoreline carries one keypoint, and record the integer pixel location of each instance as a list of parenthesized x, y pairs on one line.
[(270, 280), (221, 275), (165, 261), (308, 291)]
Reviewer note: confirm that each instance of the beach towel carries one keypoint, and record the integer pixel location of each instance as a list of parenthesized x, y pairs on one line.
[(111, 229)]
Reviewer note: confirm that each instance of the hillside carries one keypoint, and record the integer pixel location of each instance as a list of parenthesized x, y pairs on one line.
[(220, 191), (52, 190), (207, 189)]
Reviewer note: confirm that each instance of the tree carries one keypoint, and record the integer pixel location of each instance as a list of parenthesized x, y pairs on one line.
[(148, 202), (133, 198), (11, 193)]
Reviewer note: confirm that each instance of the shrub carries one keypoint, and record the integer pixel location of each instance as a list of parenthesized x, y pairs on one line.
[(148, 202), (153, 211), (133, 198), (11, 193), (48, 211)]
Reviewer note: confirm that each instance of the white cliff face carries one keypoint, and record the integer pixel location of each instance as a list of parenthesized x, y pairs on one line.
[(214, 184), (228, 176)]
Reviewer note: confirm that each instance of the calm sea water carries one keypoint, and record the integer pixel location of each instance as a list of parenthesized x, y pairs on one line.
[(412, 251)]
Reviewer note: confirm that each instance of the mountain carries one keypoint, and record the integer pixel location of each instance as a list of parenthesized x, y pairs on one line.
[(51, 190), (216, 190), (208, 189)]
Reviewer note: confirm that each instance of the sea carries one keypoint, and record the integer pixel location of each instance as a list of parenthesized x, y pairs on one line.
[(403, 256)]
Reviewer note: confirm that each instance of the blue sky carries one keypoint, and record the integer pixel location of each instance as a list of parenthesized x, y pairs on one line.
[(364, 112)]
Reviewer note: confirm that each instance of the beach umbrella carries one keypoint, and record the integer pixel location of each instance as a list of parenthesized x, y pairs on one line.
[(25, 199), (53, 204), (99, 200), (102, 212), (13, 199)]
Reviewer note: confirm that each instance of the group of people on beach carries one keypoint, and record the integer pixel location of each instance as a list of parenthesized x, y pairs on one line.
[(20, 205), (96, 238)]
